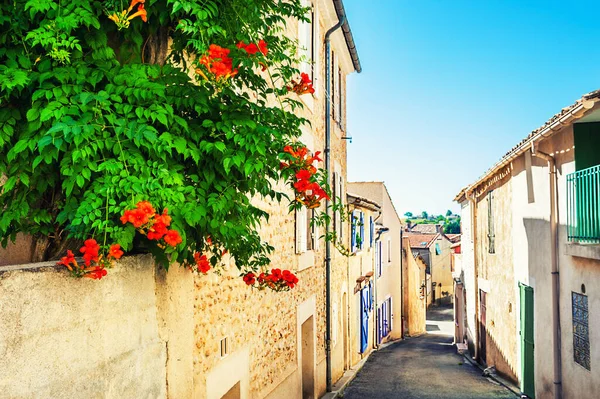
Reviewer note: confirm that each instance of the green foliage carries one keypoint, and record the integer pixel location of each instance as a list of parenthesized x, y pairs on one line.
[(452, 226), (408, 214), (91, 123), (424, 215)]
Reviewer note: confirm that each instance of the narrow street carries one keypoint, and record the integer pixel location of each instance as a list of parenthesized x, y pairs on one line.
[(424, 367)]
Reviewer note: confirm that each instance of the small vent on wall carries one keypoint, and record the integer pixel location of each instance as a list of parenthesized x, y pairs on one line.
[(224, 346)]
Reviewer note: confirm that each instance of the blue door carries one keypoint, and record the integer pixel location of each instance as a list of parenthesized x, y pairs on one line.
[(365, 299)]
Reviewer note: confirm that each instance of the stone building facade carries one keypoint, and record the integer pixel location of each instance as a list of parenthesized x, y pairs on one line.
[(202, 336)]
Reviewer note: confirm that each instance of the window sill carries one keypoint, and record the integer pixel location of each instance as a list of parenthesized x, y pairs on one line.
[(590, 251)]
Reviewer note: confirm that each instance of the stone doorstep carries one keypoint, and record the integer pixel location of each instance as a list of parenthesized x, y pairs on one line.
[(339, 387), (505, 383)]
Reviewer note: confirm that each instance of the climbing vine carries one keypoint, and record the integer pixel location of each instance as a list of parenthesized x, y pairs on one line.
[(179, 108)]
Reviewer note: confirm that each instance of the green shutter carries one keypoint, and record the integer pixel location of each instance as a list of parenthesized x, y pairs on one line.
[(527, 339)]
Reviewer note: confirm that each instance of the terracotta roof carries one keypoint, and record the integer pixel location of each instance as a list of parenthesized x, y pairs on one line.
[(566, 116), (421, 240), (424, 228), (454, 238)]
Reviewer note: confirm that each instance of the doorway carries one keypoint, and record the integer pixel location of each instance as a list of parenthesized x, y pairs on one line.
[(345, 330), (527, 347), (482, 326), (234, 393), (308, 359)]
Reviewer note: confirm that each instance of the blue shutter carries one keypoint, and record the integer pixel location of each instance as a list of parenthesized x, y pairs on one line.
[(378, 257), (371, 231), (379, 325), (353, 233), (362, 230), (370, 296), (438, 251), (364, 320)]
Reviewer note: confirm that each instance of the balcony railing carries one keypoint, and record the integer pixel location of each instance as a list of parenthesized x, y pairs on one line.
[(583, 206)]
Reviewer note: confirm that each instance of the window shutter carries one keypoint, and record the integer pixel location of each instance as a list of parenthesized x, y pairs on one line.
[(378, 258), (353, 234), (305, 41), (315, 236), (342, 200), (491, 234), (336, 214), (301, 230), (316, 50), (371, 231), (331, 98), (389, 250), (339, 95), (391, 315), (362, 230)]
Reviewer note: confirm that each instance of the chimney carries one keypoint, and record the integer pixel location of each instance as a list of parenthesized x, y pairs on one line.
[(439, 228)]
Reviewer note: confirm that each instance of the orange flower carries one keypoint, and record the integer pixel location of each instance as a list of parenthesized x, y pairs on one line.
[(173, 238), (202, 263), (146, 207), (67, 260), (141, 12), (96, 273), (115, 251), (262, 47)]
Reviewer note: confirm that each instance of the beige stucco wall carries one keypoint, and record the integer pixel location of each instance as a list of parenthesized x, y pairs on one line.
[(496, 278), (523, 256), (361, 263), (389, 285), (441, 272), (67, 338)]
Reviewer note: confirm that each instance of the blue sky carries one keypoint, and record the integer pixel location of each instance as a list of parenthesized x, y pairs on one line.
[(448, 87)]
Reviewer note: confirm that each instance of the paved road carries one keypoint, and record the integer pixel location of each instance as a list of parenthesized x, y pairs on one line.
[(425, 367)]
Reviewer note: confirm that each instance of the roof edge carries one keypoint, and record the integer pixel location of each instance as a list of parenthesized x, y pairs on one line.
[(341, 13), (567, 116)]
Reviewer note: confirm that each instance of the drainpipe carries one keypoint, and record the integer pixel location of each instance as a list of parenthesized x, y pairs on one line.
[(555, 277), (473, 200), (327, 224), (402, 313)]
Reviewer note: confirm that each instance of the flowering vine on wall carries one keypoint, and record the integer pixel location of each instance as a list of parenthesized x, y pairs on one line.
[(107, 140)]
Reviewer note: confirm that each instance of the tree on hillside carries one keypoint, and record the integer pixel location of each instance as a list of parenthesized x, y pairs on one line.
[(452, 227), (424, 215), (408, 214), (449, 213)]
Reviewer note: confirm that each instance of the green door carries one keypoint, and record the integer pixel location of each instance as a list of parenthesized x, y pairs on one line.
[(527, 347)]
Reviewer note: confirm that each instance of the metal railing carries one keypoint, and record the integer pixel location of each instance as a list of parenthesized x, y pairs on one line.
[(583, 206)]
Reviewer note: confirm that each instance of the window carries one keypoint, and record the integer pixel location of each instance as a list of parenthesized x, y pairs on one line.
[(378, 257), (491, 235), (358, 230), (362, 230), (334, 86), (581, 333), (224, 347), (340, 105), (389, 250), (385, 319), (338, 196), (306, 34), (307, 235), (583, 218), (438, 250)]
